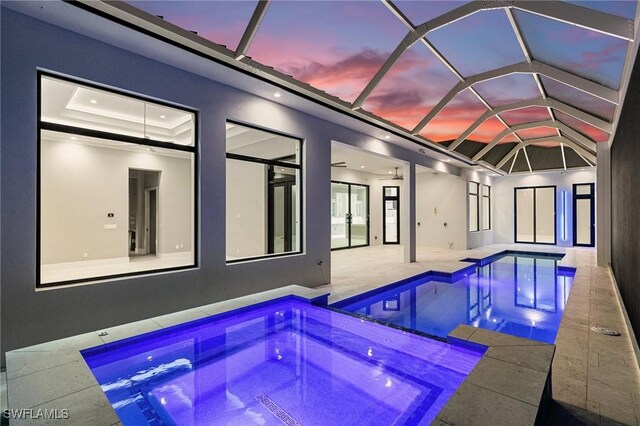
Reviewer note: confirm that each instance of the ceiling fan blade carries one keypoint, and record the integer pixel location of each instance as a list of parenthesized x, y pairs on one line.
[(339, 164)]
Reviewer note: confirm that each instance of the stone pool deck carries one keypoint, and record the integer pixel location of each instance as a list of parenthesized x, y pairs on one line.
[(595, 378)]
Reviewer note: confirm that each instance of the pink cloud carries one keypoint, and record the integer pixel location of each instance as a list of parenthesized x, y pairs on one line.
[(537, 132)]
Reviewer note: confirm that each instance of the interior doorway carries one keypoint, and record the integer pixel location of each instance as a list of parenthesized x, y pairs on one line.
[(281, 210), (584, 226), (349, 215), (143, 212)]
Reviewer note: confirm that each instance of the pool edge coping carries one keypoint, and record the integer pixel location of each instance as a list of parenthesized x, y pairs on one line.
[(520, 385)]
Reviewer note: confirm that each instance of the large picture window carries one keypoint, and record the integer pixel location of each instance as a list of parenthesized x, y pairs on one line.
[(474, 197), (535, 215), (116, 184), (264, 193), (486, 207)]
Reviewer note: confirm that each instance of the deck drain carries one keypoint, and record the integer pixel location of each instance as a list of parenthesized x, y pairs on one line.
[(275, 409), (606, 331)]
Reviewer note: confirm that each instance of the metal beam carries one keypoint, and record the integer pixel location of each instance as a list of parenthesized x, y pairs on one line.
[(581, 140), (535, 67), (590, 19), (580, 151), (509, 155), (252, 28), (546, 103)]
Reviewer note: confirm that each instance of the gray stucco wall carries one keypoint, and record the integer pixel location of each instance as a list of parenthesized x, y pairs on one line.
[(29, 316)]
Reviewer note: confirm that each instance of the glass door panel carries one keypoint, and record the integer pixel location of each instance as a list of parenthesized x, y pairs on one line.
[(545, 221), (583, 215), (583, 222), (391, 214), (359, 215), (279, 241), (524, 215), (339, 215)]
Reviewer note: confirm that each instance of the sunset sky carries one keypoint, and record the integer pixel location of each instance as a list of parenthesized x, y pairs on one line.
[(338, 46)]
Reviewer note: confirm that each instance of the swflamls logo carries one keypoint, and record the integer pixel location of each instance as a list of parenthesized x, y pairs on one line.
[(36, 413)]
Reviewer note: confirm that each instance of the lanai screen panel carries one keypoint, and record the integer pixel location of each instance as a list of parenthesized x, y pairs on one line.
[(478, 43), (455, 118), (579, 99), (593, 133), (336, 47), (415, 84), (525, 115), (222, 22), (583, 52), (508, 89)]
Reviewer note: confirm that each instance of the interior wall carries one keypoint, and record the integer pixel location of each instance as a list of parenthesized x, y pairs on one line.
[(625, 203), (29, 44), (82, 184), (440, 199), (503, 201)]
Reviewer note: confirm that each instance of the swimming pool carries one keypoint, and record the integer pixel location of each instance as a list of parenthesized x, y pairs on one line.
[(521, 294), (284, 361)]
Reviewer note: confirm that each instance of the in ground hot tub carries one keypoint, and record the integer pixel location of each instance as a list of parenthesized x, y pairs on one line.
[(283, 361)]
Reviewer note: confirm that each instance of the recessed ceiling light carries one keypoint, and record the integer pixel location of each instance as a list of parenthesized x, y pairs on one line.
[(387, 137), (281, 169), (73, 138), (149, 149), (163, 116), (277, 94), (390, 172), (582, 170), (362, 167), (448, 160), (93, 101)]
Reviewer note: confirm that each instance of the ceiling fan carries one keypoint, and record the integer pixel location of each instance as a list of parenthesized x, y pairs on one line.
[(395, 177), (339, 164)]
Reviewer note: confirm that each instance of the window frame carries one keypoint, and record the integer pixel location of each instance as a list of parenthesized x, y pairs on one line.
[(80, 131), (266, 162), (477, 205), (488, 197)]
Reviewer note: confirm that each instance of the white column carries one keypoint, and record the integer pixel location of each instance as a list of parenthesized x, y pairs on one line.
[(408, 211), (603, 204)]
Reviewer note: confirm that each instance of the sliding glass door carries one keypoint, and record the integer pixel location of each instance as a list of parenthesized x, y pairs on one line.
[(535, 215), (349, 215)]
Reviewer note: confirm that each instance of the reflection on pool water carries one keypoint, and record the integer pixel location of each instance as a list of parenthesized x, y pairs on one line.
[(279, 362), (519, 294)]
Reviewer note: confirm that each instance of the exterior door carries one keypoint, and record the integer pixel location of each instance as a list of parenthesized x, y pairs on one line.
[(349, 215), (584, 226), (391, 214)]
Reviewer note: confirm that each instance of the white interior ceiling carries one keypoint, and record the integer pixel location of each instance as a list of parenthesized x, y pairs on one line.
[(362, 161)]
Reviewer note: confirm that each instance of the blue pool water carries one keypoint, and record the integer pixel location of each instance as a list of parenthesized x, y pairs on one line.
[(282, 362), (519, 294)]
